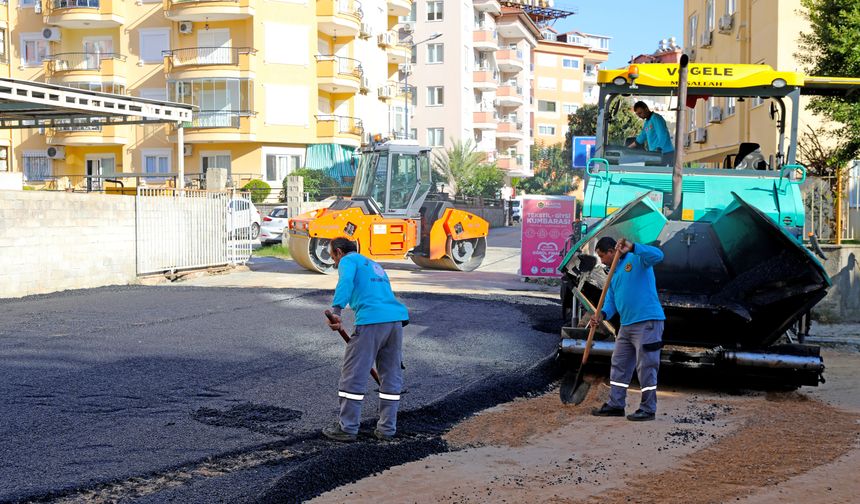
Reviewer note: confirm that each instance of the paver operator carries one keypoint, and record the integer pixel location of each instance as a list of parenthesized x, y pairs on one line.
[(654, 132), (632, 293), (379, 320)]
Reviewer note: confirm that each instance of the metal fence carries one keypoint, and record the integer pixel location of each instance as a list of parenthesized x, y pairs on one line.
[(185, 229), (820, 204)]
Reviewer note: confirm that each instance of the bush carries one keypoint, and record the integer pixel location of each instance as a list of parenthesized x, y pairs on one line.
[(315, 181), (259, 190)]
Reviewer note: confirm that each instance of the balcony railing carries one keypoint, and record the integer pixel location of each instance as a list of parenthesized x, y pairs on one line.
[(70, 62), (75, 4), (344, 124), (343, 66), (219, 118), (191, 56)]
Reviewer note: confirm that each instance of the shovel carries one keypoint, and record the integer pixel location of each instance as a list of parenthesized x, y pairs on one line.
[(345, 337), (574, 392)]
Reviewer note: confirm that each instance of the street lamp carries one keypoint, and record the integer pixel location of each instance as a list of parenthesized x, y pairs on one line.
[(434, 36)]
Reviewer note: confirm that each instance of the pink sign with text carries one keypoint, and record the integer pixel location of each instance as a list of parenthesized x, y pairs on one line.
[(546, 226)]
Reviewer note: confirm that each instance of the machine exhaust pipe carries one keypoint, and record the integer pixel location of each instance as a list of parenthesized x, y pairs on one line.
[(677, 179)]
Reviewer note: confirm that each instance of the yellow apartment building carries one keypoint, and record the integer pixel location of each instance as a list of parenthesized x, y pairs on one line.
[(278, 84), (565, 78), (739, 31)]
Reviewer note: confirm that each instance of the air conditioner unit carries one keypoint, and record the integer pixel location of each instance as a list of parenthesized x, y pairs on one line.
[(366, 31), (707, 38), (56, 152), (687, 140), (365, 84), (187, 150), (51, 33), (408, 28), (725, 24), (37, 7), (691, 53), (406, 69), (186, 27), (715, 115), (384, 39), (700, 135)]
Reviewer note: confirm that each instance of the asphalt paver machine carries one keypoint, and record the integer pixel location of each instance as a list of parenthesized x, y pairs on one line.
[(390, 216), (736, 276)]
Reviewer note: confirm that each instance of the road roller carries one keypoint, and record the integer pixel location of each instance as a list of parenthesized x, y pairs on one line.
[(392, 215), (736, 277)]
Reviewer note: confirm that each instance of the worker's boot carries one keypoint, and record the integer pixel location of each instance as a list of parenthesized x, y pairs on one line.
[(378, 434), (336, 433), (607, 410), (640, 416)]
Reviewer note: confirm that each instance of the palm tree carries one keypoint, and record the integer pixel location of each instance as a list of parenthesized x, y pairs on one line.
[(457, 163)]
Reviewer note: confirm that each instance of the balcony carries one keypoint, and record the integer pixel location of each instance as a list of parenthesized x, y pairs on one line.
[(510, 95), (510, 163), (399, 7), (510, 131), (484, 38), (85, 14), (221, 126), (488, 6), (510, 60), (590, 75), (87, 135), (389, 91), (485, 79), (208, 10), (336, 74), (484, 120), (85, 67), (223, 61), (340, 18), (343, 130), (512, 28), (397, 51)]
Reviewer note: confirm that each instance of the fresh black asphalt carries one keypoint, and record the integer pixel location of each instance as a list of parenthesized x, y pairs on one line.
[(183, 394)]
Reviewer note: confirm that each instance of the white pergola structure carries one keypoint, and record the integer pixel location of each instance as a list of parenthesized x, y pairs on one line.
[(28, 105)]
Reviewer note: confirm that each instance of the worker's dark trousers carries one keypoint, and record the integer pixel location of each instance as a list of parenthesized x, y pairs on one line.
[(383, 344), (637, 346)]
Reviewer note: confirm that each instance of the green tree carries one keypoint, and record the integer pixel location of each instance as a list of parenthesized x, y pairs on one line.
[(466, 171), (830, 48), (553, 173), (314, 181), (259, 190), (623, 123)]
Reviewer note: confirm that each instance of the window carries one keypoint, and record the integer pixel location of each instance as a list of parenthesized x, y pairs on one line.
[(280, 162), (547, 60), (435, 53), (570, 85), (412, 17), (27, 3), (694, 27), (546, 129), (731, 105), (731, 6), (572, 63), (215, 160), (152, 42), (547, 83), (547, 106), (413, 133), (569, 108), (3, 45), (152, 93), (34, 49), (414, 58), (434, 11), (435, 96), (37, 165), (709, 16), (436, 137), (4, 158), (156, 161), (548, 35)]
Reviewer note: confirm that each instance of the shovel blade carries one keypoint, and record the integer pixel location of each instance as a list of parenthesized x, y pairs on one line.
[(573, 388)]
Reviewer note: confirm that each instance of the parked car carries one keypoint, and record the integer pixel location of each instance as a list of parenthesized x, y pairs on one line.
[(274, 224), (239, 212)]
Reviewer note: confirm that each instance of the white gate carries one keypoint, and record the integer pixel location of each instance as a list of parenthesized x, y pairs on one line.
[(185, 229)]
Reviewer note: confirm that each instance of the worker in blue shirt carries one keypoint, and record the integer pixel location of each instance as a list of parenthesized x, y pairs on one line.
[(379, 320), (655, 133), (632, 294)]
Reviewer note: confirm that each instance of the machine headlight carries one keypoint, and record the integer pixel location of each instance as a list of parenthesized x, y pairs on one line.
[(779, 83), (619, 81)]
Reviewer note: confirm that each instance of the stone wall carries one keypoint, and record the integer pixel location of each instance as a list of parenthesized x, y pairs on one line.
[(53, 241)]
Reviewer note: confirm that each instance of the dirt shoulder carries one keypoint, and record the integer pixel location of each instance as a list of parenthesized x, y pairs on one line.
[(703, 447)]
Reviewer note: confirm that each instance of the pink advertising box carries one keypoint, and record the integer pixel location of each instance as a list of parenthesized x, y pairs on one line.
[(546, 226)]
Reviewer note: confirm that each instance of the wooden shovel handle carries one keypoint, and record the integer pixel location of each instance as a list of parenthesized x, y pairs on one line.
[(599, 309), (330, 316)]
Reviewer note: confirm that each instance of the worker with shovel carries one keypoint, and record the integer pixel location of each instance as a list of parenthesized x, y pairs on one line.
[(379, 320), (633, 294)]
